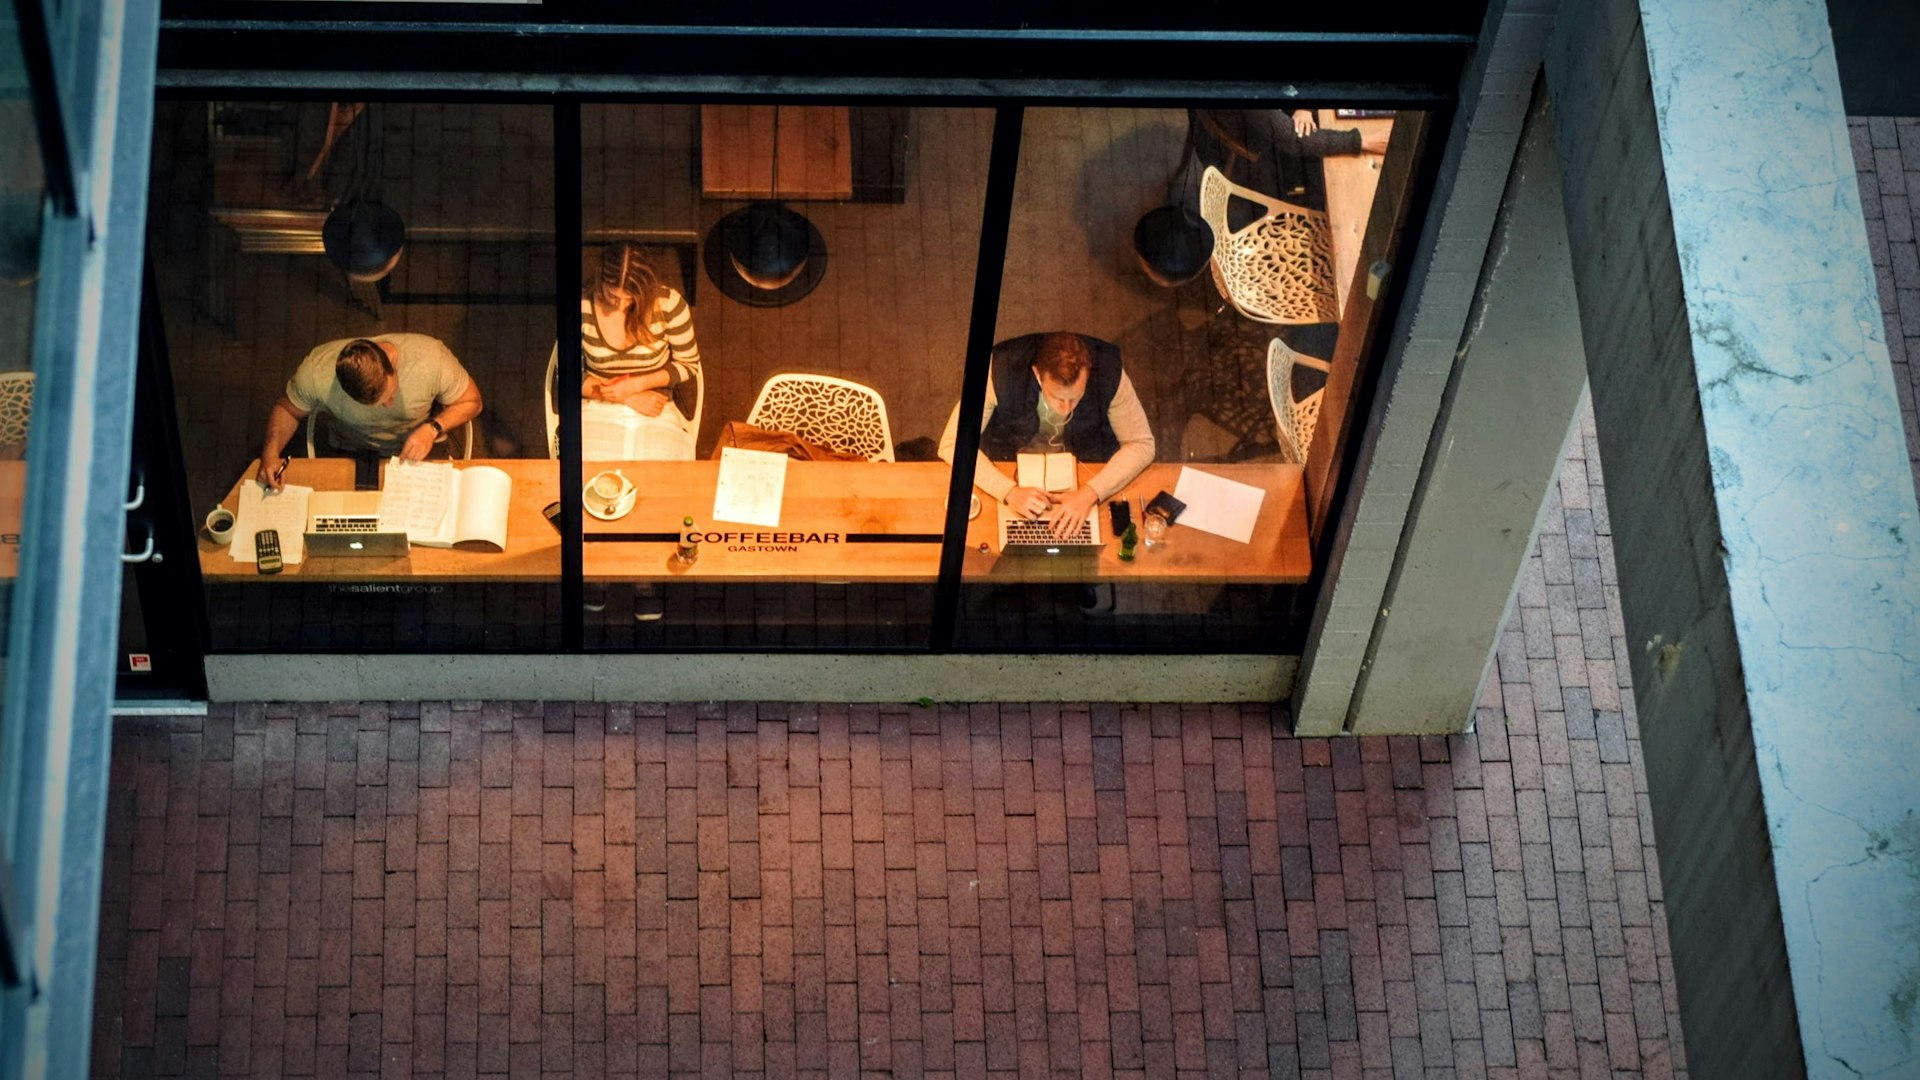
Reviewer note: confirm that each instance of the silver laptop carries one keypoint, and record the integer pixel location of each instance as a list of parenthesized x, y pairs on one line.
[(347, 523), (1034, 536)]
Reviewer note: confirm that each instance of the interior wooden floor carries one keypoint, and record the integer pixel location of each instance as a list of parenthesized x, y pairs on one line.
[(892, 310)]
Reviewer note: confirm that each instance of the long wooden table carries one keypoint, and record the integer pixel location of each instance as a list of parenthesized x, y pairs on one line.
[(840, 521), (13, 501), (533, 546), (1279, 552), (1351, 180)]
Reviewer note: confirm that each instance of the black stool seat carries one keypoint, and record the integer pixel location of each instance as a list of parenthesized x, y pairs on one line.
[(1173, 244)]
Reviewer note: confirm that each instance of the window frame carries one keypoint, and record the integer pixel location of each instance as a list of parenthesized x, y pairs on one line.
[(298, 60)]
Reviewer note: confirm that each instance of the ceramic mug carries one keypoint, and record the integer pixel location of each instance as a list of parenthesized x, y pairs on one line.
[(607, 490), (220, 525)]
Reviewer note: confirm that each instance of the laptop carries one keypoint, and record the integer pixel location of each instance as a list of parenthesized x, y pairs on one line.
[(1034, 536), (347, 523)]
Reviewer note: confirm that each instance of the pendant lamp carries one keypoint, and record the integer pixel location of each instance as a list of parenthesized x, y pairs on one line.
[(766, 254), (364, 238)]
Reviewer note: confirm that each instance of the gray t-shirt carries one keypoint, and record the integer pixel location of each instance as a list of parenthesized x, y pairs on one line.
[(427, 373)]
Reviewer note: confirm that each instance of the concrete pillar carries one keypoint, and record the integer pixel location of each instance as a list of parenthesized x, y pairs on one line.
[(1444, 270), (1517, 379), (1764, 521)]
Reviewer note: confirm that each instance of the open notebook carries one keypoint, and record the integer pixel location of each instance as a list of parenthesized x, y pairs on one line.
[(437, 505), (612, 432)]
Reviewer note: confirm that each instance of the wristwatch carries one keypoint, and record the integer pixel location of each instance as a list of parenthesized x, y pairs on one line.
[(438, 431)]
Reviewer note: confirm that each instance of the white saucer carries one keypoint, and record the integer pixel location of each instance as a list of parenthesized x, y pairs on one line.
[(973, 507), (615, 512)]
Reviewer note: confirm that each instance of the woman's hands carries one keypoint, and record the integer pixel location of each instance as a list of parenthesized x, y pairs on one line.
[(633, 391)]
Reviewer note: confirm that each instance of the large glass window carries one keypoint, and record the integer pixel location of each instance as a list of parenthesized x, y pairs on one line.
[(22, 198), (347, 287), (1178, 303), (759, 370), (811, 270)]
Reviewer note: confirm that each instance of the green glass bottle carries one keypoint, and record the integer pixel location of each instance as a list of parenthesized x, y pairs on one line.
[(1127, 541), (688, 549)]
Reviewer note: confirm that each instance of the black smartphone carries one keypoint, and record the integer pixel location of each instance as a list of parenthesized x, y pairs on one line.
[(552, 514), (1121, 515)]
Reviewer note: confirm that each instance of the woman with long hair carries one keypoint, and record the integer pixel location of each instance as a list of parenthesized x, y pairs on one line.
[(636, 334)]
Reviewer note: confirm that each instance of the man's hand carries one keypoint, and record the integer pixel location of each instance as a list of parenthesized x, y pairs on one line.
[(1028, 502), (418, 443), (1071, 510), (1373, 142), (272, 472), (1303, 123)]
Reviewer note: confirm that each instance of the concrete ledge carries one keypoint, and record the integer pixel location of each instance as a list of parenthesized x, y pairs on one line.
[(752, 677)]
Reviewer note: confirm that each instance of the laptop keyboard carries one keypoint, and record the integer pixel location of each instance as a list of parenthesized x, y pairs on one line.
[(345, 524), (1040, 532)]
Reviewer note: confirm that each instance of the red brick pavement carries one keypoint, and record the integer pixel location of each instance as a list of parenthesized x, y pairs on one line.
[(781, 890)]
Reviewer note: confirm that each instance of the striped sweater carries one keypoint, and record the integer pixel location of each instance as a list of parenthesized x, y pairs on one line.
[(673, 348)]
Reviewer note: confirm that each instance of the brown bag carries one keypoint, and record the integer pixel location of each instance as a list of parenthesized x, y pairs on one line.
[(750, 437)]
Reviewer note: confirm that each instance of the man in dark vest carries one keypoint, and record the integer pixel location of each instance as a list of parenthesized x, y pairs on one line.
[(1054, 392)]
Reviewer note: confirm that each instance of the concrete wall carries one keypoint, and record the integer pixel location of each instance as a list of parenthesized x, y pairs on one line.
[(1762, 521), (1444, 272), (754, 677), (1495, 452)]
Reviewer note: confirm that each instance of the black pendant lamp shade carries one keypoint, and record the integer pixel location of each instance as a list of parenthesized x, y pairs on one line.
[(1173, 243), (364, 238), (765, 255)]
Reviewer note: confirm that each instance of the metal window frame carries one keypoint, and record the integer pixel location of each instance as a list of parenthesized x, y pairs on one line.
[(566, 65), (57, 704)]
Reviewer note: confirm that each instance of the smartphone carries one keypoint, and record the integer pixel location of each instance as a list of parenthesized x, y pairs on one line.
[(1121, 515), (552, 514), (266, 545)]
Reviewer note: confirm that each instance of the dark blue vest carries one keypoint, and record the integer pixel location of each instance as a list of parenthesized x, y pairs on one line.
[(1016, 417)]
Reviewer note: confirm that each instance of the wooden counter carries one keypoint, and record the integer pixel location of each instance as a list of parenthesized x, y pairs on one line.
[(13, 497), (533, 547), (840, 521), (738, 156), (1278, 554), (1351, 180)]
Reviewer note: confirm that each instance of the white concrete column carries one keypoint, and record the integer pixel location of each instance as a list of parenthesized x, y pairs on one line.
[(1764, 521)]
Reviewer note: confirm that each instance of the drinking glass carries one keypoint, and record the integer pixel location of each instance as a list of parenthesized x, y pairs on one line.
[(1155, 529)]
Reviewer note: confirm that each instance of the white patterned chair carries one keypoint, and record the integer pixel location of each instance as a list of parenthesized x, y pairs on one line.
[(1294, 420), (1278, 269), (16, 406), (843, 416)]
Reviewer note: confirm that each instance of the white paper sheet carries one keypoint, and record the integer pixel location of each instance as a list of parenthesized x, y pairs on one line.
[(1218, 505), (415, 497), (751, 485), (284, 510)]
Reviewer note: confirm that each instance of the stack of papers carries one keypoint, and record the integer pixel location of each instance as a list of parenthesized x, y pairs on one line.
[(284, 511), (1218, 505)]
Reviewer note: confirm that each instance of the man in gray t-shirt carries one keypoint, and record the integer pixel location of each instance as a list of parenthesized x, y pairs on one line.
[(390, 393)]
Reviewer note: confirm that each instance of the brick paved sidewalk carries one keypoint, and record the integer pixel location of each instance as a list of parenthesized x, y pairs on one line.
[(745, 890)]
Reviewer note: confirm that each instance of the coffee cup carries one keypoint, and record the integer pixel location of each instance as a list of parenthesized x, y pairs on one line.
[(607, 491), (220, 525)]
